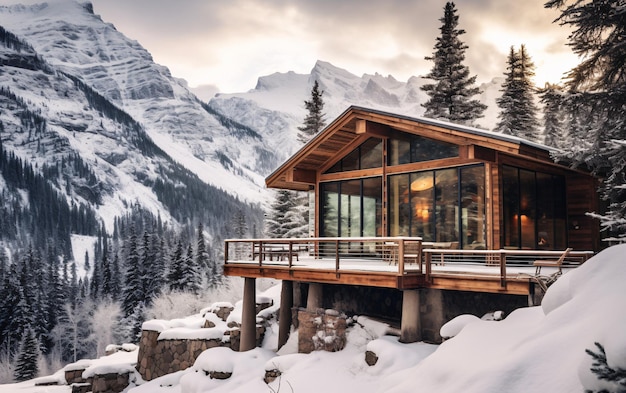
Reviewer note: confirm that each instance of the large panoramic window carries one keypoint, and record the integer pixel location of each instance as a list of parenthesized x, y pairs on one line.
[(534, 209), (406, 148), (351, 208), (368, 155), (445, 206)]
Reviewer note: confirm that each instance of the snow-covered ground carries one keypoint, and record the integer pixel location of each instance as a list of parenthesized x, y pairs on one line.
[(536, 349)]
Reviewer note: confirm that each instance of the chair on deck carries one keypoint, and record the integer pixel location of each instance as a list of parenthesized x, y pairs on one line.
[(411, 252), (538, 264)]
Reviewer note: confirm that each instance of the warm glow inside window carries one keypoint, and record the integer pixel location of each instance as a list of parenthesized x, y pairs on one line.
[(445, 206)]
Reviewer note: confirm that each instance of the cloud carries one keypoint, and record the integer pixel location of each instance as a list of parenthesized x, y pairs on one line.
[(231, 43)]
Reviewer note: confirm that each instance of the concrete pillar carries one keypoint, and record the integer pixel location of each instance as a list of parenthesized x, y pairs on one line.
[(284, 314), (314, 297), (248, 316), (410, 328)]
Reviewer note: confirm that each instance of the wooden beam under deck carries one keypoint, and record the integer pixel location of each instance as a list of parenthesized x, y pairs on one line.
[(458, 282)]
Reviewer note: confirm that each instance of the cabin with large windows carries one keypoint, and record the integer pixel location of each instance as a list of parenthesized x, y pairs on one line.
[(422, 214)]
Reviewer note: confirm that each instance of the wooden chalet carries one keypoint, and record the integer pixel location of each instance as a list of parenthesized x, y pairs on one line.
[(422, 210)]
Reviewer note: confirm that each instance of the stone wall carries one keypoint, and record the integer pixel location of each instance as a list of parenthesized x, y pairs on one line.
[(109, 383), (160, 357), (321, 330)]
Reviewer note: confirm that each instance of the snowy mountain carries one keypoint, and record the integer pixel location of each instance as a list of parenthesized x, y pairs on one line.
[(76, 93), (75, 41), (275, 107)]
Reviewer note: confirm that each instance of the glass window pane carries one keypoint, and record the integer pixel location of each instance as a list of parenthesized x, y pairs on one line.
[(329, 195), (423, 149), (560, 212), (422, 215), (447, 206), (399, 151), (528, 209), (350, 209), (399, 208), (405, 148), (545, 212), (372, 207), (372, 153), (510, 206), (351, 161), (473, 208)]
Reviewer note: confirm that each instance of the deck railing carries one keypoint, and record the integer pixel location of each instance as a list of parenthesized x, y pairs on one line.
[(398, 255), (403, 253)]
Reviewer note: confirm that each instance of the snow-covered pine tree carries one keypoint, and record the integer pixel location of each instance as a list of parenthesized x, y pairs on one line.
[(192, 279), (175, 274), (599, 33), (26, 367), (277, 224), (116, 278), (105, 264), (204, 261), (600, 367), (553, 115), (95, 288), (314, 120), (134, 291), (451, 94), (154, 263), (518, 111)]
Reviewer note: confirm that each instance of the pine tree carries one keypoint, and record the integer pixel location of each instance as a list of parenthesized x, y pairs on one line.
[(601, 368), (133, 292), (553, 115), (599, 33), (175, 274), (276, 224), (155, 265), (314, 120), (26, 367), (203, 260), (518, 112), (191, 274), (107, 290), (451, 94)]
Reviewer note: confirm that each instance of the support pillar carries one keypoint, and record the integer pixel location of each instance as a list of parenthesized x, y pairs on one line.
[(410, 328), (248, 316), (284, 314), (314, 297)]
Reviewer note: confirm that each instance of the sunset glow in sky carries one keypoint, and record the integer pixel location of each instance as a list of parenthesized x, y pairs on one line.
[(229, 44)]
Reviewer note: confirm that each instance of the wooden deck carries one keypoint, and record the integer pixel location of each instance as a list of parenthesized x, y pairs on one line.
[(400, 263)]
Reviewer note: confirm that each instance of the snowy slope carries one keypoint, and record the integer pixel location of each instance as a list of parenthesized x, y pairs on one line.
[(536, 349)]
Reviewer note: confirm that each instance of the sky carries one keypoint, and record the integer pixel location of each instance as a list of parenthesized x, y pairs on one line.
[(229, 44)]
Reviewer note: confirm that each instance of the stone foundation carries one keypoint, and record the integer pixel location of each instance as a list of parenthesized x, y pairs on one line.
[(321, 330)]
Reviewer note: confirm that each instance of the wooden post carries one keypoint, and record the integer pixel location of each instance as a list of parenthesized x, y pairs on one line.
[(248, 316), (503, 270), (284, 313)]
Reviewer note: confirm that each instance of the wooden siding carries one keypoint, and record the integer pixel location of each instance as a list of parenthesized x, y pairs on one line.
[(582, 197)]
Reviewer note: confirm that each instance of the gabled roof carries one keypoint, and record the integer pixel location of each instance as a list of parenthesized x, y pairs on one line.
[(298, 172)]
